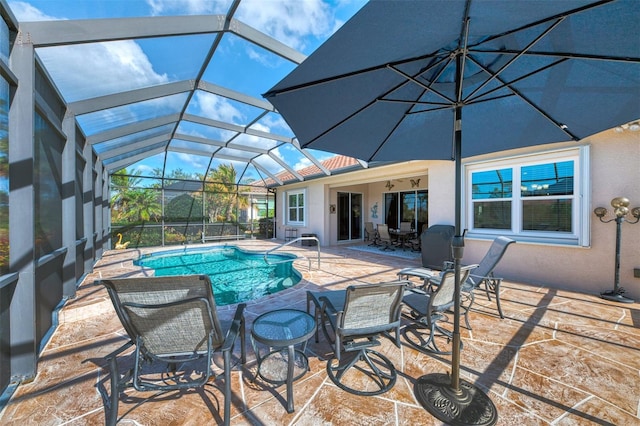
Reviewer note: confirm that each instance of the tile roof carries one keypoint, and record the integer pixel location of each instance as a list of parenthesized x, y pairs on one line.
[(332, 164)]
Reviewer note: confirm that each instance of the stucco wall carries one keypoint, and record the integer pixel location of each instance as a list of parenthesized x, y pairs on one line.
[(321, 193), (614, 171)]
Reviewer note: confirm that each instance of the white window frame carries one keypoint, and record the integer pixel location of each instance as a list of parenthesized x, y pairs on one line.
[(296, 192), (580, 234)]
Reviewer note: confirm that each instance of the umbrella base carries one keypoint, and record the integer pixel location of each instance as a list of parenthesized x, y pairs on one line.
[(469, 406), (616, 296)]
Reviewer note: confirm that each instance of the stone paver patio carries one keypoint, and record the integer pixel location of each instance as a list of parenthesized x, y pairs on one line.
[(558, 357)]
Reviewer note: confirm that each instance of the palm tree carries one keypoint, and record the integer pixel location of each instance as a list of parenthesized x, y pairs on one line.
[(224, 197), (130, 202)]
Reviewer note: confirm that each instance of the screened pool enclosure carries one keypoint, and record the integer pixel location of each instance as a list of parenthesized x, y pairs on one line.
[(133, 119)]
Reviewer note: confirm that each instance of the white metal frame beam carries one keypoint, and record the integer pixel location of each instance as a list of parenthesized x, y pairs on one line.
[(130, 97), (129, 129), (134, 146)]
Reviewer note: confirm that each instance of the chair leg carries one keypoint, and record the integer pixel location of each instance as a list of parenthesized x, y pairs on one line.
[(383, 379), (496, 291), (111, 416), (117, 382), (429, 345), (227, 387), (387, 246), (243, 343), (316, 314), (471, 297), (492, 285)]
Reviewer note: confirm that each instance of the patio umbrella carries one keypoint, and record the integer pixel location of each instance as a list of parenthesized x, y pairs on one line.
[(447, 79)]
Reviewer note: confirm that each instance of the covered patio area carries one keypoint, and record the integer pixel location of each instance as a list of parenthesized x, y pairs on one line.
[(558, 357)]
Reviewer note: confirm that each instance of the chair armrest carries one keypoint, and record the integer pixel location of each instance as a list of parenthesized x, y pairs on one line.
[(236, 326), (432, 282), (327, 305), (119, 350), (485, 277)]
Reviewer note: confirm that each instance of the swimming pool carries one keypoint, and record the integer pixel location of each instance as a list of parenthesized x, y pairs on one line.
[(236, 275)]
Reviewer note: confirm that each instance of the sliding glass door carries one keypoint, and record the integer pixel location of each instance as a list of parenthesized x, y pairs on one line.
[(349, 216), (408, 206)]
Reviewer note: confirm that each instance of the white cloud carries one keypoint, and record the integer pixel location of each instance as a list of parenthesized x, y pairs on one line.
[(305, 162), (273, 123), (143, 169), (100, 68), (218, 108), (198, 163), (288, 21), (24, 12), (260, 127), (188, 7)]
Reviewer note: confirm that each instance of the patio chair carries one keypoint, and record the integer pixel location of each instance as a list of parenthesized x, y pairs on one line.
[(356, 317), (384, 237), (173, 324), (428, 308), (405, 226), (482, 275), (370, 233)]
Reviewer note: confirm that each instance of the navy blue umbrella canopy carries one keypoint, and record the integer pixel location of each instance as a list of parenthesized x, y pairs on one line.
[(387, 85)]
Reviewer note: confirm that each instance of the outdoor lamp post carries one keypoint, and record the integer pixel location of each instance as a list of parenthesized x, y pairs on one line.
[(621, 210)]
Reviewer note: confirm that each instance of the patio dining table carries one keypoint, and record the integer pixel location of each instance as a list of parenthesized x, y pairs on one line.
[(403, 237)]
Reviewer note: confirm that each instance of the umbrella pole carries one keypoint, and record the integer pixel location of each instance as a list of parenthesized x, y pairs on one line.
[(448, 398)]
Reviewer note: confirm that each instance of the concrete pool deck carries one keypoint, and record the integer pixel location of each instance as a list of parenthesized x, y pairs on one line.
[(558, 357)]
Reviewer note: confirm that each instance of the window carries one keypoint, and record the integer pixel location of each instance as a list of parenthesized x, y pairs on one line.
[(534, 198), (295, 207)]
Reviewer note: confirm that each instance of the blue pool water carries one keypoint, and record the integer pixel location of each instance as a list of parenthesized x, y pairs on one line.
[(236, 275)]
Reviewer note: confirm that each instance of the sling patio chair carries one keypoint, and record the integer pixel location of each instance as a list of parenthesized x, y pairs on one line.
[(370, 232), (405, 226), (356, 317), (173, 325), (481, 276), (428, 308), (384, 237)]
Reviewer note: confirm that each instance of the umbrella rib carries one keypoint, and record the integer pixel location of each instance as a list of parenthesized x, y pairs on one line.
[(386, 139), (470, 100), (440, 105), (464, 53), (562, 55), (356, 112), (561, 126), (413, 79), (382, 99), (422, 111), (295, 87), (407, 112), (516, 57), (547, 19)]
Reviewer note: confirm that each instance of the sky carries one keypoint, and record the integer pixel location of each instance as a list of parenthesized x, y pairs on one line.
[(237, 65)]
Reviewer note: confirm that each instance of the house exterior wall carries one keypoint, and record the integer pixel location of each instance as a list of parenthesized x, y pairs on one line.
[(614, 171)]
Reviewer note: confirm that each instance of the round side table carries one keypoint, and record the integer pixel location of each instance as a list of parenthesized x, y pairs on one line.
[(280, 331)]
